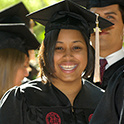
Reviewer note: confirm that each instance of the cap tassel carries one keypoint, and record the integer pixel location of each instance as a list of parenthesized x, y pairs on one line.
[(97, 66)]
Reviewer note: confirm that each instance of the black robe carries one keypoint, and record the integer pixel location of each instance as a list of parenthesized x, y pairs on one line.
[(38, 103), (108, 74), (111, 107)]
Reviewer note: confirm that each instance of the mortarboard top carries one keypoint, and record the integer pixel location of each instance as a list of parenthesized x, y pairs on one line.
[(103, 3), (8, 32), (15, 14), (70, 8)]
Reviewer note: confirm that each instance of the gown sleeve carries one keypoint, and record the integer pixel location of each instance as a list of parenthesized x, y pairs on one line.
[(109, 109), (11, 107)]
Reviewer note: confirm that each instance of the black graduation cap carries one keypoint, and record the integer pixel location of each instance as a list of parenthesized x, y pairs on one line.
[(18, 36), (54, 16), (103, 3), (15, 14), (70, 15)]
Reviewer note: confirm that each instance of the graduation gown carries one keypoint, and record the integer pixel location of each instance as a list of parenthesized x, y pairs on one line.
[(111, 105), (110, 71), (38, 103), (108, 74)]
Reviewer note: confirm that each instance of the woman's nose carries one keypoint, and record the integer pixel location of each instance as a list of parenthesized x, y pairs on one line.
[(68, 53)]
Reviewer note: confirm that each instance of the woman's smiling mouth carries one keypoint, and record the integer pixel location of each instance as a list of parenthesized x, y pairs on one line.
[(68, 67)]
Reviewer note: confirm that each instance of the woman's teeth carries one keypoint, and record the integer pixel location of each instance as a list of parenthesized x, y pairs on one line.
[(68, 67)]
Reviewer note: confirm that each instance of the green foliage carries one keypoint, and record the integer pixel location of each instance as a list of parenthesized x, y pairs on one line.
[(7, 3), (39, 32)]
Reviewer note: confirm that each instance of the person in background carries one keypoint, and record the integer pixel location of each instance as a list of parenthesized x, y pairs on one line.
[(17, 14), (111, 50), (16, 40), (13, 68), (60, 96), (111, 107), (111, 39)]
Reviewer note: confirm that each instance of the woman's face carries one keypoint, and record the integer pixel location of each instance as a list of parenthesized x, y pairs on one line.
[(70, 55), (22, 72)]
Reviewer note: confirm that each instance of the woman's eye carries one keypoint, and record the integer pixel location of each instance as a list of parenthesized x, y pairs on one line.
[(58, 48), (77, 48)]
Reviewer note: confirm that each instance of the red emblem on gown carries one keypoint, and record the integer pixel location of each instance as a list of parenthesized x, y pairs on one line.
[(53, 118), (90, 117)]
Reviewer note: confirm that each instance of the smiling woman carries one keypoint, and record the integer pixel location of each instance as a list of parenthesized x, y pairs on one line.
[(70, 56), (60, 96), (70, 52)]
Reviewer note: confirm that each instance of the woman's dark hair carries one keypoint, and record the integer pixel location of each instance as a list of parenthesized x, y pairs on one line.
[(46, 55), (121, 8)]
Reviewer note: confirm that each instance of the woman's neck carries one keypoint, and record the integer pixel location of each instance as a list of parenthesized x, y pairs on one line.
[(70, 89)]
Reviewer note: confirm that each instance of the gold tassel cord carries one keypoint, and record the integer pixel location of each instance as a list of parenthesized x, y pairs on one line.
[(97, 65)]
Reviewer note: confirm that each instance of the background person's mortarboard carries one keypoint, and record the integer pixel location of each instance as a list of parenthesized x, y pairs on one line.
[(10, 35), (103, 3), (44, 15), (15, 14)]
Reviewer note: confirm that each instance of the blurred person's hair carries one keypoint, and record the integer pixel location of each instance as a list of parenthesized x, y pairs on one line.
[(10, 60)]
